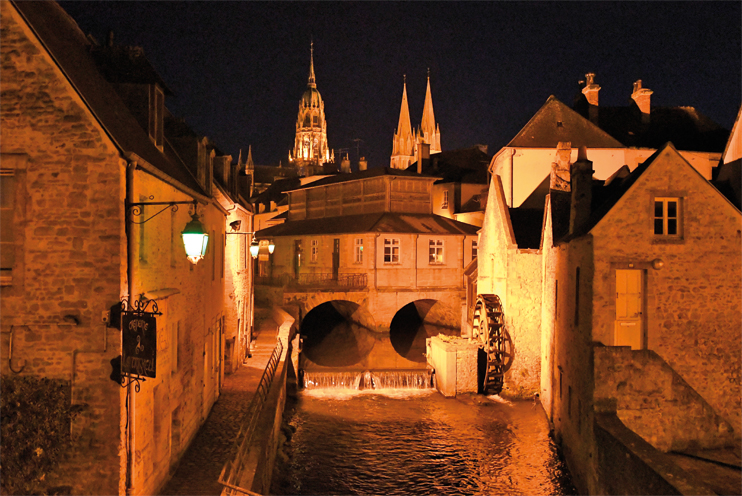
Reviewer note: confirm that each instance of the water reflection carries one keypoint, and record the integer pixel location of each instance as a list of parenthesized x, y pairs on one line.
[(417, 442)]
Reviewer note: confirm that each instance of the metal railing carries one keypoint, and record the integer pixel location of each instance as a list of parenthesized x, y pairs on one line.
[(350, 281), (230, 475), (315, 281)]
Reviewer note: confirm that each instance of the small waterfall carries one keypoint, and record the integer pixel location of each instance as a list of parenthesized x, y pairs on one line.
[(336, 380), (369, 379)]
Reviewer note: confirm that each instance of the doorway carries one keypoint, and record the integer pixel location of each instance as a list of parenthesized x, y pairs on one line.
[(629, 325)]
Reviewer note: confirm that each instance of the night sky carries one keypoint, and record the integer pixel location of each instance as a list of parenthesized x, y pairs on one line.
[(238, 69)]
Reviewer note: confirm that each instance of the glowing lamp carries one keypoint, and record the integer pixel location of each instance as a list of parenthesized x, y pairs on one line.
[(195, 240), (254, 248), (271, 247)]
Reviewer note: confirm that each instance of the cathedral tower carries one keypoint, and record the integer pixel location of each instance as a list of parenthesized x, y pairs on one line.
[(406, 140), (310, 145)]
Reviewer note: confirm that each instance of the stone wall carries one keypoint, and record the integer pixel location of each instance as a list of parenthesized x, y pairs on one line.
[(523, 322), (69, 248), (655, 402)]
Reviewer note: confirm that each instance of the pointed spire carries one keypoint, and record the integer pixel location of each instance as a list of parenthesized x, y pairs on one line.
[(311, 65), (428, 122), (404, 127), (249, 164)]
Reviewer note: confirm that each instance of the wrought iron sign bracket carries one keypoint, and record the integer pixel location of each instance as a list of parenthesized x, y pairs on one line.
[(140, 308), (137, 209)]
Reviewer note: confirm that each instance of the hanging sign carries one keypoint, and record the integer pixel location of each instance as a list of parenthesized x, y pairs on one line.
[(139, 344), (139, 339)]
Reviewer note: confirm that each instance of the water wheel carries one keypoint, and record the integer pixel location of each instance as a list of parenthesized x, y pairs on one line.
[(489, 329)]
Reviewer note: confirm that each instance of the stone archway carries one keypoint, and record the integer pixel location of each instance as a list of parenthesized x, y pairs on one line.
[(334, 335), (417, 321)]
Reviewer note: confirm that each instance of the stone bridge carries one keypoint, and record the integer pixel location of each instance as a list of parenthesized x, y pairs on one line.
[(372, 329)]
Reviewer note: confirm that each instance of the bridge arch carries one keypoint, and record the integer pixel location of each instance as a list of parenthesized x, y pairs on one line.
[(337, 333), (418, 320)]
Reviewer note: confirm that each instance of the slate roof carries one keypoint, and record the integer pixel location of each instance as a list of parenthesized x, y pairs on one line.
[(527, 224), (70, 48), (384, 222), (466, 165), (687, 128), (276, 192), (555, 122)]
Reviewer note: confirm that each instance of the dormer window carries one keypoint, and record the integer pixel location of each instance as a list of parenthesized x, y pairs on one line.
[(156, 113)]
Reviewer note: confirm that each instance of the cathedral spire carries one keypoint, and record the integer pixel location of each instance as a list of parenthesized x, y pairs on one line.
[(404, 127), (429, 132), (403, 142), (312, 83)]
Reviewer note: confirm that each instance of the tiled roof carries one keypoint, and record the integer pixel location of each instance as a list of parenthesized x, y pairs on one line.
[(384, 222), (70, 48), (555, 122), (355, 176)]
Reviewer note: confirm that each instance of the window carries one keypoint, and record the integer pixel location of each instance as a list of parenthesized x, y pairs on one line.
[(666, 216), (435, 251), (7, 246), (391, 251), (444, 203), (474, 249), (359, 250), (315, 250)]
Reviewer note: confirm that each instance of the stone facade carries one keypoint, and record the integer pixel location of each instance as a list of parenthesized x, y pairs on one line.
[(65, 177)]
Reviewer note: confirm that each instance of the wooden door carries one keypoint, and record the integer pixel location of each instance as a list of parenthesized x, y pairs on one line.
[(629, 309)]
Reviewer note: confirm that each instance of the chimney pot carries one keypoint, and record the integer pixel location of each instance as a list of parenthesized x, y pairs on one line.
[(591, 91), (642, 98)]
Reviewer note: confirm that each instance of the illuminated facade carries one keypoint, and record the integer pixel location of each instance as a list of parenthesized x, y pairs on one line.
[(310, 145), (406, 140)]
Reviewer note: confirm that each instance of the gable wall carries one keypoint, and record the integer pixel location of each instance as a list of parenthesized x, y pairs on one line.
[(693, 306)]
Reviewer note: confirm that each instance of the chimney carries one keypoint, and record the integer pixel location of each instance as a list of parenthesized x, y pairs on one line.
[(345, 165), (560, 174), (581, 182), (362, 164), (591, 95), (423, 153), (642, 98)]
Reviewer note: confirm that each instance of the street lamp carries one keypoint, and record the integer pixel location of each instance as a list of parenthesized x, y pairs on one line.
[(195, 240)]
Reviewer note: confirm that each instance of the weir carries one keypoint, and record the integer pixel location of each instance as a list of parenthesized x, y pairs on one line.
[(369, 379)]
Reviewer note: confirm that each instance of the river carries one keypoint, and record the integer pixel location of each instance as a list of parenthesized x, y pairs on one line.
[(348, 441)]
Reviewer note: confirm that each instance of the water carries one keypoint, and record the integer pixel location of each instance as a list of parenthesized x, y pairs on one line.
[(377, 379), (415, 441)]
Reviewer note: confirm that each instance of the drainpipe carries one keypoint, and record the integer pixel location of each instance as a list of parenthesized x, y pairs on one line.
[(417, 236), (131, 166), (376, 249)]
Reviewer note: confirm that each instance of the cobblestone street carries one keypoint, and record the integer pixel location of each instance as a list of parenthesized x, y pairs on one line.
[(199, 469)]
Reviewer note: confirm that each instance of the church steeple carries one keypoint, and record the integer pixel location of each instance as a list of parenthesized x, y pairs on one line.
[(403, 142), (429, 131)]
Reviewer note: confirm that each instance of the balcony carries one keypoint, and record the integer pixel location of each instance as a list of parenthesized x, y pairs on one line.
[(321, 281)]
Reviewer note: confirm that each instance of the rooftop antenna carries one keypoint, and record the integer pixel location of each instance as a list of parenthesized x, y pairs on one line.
[(358, 142)]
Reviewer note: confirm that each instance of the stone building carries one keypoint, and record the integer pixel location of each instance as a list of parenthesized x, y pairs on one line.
[(85, 137), (640, 311), (368, 244), (409, 143), (310, 145)]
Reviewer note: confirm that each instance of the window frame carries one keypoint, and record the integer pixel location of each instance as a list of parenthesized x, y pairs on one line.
[(474, 249), (358, 250), (665, 218), (436, 251), (392, 251), (314, 251), (444, 202)]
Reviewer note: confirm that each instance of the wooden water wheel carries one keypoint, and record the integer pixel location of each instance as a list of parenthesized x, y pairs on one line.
[(489, 329)]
